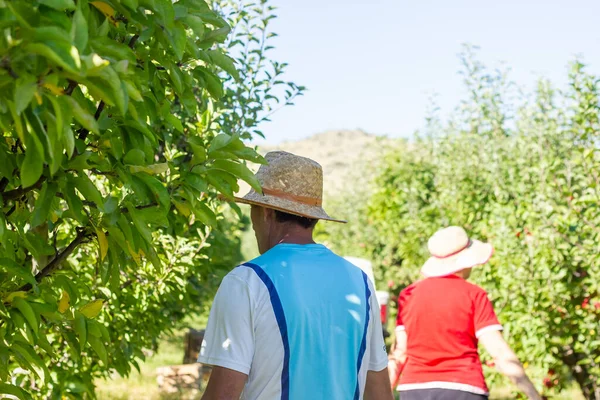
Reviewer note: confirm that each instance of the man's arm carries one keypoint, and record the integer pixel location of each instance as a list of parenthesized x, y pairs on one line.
[(378, 386), (224, 384), (507, 362), (228, 343)]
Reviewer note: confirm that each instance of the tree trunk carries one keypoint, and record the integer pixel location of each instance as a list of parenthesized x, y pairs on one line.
[(589, 384)]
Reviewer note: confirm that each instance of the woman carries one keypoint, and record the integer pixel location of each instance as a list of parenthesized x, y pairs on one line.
[(440, 321)]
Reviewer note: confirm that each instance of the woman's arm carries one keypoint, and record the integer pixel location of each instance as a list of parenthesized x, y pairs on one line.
[(507, 362), (397, 357)]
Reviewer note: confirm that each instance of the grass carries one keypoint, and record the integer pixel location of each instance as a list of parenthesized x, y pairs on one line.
[(505, 393), (143, 386)]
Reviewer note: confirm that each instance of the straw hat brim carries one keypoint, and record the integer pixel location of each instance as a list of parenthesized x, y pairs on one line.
[(478, 253), (287, 206)]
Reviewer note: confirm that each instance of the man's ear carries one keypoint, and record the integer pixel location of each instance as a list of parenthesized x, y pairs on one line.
[(268, 214)]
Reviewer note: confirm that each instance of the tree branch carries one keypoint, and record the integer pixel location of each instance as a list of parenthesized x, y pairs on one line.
[(58, 259), (84, 132), (71, 87), (20, 191), (6, 65), (132, 41)]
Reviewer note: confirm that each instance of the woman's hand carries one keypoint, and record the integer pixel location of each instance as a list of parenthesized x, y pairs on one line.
[(507, 362)]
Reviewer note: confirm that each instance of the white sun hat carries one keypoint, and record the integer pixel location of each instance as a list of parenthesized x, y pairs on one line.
[(452, 250)]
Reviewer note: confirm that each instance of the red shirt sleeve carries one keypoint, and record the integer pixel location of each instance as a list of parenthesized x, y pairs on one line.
[(402, 306), (485, 318), (399, 316)]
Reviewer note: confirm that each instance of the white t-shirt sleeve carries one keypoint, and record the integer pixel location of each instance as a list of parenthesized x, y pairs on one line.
[(378, 353), (229, 336)]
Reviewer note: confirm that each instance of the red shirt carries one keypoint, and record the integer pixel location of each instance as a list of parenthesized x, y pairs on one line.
[(443, 317)]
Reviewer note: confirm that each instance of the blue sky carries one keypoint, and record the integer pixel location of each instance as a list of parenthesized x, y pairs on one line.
[(374, 64)]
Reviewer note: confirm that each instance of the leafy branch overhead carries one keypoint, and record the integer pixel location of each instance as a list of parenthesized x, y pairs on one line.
[(121, 121)]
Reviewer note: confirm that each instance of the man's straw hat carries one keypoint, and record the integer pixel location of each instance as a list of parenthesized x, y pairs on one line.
[(452, 251), (291, 184)]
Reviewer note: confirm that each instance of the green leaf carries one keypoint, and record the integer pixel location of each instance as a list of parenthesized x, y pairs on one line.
[(60, 54), (76, 387), (160, 192), (219, 141), (140, 224), (218, 179), (52, 34), (39, 136), (23, 306), (60, 5), (205, 214), (7, 388), (74, 202), (164, 11), (142, 128), (32, 166), (74, 345), (239, 170), (104, 332), (44, 344), (17, 270), (79, 30), (108, 78), (87, 188), (177, 38), (25, 89), (131, 4), (82, 116), (195, 23), (214, 36), (151, 169), (2, 227), (175, 122), (132, 91), (43, 203), (250, 155), (176, 78), (94, 328), (92, 309), (28, 353), (109, 48), (225, 62), (17, 120), (45, 309), (212, 82), (55, 134), (196, 181), (69, 141), (79, 326), (99, 348), (135, 157)]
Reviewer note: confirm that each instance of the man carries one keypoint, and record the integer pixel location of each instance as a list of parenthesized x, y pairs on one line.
[(441, 320), (298, 322)]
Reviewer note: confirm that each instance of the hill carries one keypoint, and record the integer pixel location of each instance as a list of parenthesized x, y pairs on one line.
[(346, 156)]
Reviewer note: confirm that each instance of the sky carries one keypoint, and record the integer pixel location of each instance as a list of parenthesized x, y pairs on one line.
[(374, 65)]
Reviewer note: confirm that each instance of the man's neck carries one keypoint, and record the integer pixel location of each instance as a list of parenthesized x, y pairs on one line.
[(294, 235)]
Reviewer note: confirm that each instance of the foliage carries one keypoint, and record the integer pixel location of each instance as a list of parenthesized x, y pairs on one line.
[(120, 121), (522, 173)]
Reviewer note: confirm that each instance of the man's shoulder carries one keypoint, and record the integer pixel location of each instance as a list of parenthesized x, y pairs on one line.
[(246, 273)]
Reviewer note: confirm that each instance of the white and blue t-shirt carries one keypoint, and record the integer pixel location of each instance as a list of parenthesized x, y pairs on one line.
[(301, 322)]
